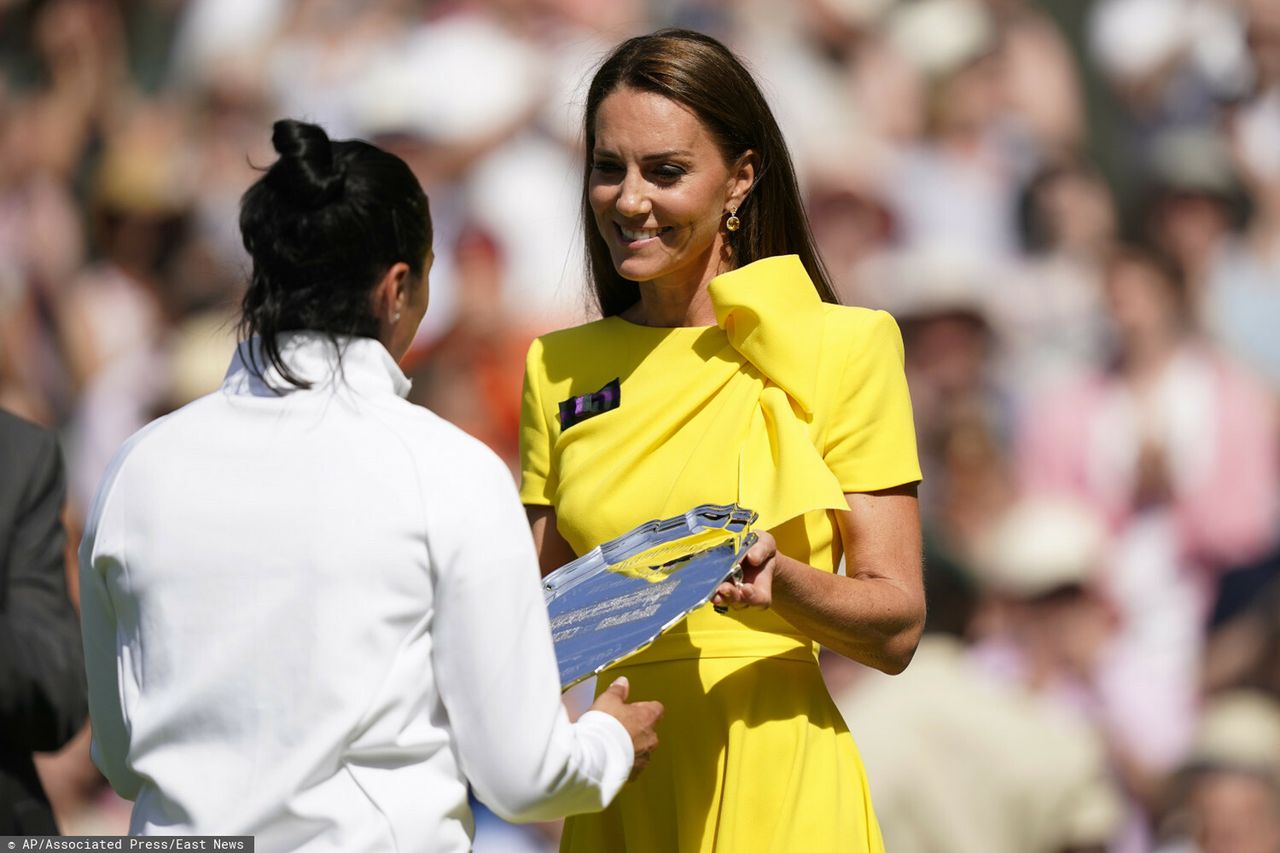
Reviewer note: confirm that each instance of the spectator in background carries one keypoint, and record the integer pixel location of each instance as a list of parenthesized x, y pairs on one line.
[(1175, 447), (42, 687), (853, 228), (957, 186), (1226, 797), (1044, 104), (1170, 64), (1170, 428), (115, 315), (1049, 317), (963, 413), (960, 760), (42, 246), (1194, 206), (1044, 621), (471, 375), (1242, 291), (1050, 627)]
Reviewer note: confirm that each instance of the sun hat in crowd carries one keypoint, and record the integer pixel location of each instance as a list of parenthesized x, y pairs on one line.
[(1240, 730), (1040, 545)]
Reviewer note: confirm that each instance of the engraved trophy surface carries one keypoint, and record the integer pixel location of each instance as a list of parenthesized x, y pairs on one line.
[(620, 596)]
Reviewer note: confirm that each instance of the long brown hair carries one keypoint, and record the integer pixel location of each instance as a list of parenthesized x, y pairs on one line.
[(703, 75)]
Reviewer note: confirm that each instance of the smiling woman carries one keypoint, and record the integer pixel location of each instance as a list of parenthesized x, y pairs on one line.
[(679, 94), (658, 190), (732, 378)]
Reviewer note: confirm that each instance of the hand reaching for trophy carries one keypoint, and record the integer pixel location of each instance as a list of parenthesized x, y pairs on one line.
[(639, 718)]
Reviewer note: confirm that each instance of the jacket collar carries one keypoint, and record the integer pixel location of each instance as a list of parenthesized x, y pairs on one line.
[(361, 364)]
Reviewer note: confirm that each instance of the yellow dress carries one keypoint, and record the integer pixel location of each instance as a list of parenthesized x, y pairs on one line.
[(784, 406)]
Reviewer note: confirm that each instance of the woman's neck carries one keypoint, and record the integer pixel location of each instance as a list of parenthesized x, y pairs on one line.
[(667, 307), (680, 299)]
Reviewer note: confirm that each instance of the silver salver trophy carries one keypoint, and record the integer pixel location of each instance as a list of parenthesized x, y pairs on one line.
[(619, 597)]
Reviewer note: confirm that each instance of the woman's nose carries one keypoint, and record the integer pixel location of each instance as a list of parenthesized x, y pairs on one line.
[(633, 198)]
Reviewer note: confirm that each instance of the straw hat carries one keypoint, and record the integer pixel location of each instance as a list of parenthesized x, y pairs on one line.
[(1240, 730), (941, 36), (1039, 545)]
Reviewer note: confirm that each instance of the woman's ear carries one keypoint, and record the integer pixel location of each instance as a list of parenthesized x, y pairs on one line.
[(742, 178), (391, 293)]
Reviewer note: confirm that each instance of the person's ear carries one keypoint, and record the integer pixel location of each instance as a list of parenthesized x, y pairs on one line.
[(391, 293), (742, 177)]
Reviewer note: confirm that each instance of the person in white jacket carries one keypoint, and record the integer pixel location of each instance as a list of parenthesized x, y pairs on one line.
[(311, 610)]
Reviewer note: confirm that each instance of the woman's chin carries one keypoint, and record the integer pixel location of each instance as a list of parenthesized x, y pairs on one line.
[(638, 271)]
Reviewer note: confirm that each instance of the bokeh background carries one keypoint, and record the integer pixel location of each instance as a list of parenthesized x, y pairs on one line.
[(1072, 207)]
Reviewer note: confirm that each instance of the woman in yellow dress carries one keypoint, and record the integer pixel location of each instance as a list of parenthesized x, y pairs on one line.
[(723, 371)]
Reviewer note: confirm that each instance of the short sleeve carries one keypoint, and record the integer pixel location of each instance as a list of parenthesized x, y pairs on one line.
[(537, 480), (871, 438)]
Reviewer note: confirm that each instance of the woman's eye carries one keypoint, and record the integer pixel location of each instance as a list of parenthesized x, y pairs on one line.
[(606, 168), (669, 173)]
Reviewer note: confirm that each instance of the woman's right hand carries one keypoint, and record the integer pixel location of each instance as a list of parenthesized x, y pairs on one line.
[(756, 587), (640, 719)]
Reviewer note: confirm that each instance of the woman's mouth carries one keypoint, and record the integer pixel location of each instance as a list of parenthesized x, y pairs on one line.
[(633, 237)]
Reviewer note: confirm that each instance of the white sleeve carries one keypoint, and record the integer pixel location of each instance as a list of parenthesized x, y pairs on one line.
[(495, 664), (104, 666)]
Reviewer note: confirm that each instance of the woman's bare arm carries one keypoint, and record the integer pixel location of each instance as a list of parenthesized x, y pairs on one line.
[(874, 614)]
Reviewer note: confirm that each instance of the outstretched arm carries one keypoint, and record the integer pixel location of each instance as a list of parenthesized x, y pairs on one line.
[(496, 668)]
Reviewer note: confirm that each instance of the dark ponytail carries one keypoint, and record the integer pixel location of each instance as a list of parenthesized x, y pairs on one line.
[(323, 224)]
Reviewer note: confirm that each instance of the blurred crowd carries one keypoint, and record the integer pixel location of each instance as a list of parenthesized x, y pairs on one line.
[(1072, 207)]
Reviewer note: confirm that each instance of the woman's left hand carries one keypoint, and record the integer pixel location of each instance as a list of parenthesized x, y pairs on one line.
[(756, 588)]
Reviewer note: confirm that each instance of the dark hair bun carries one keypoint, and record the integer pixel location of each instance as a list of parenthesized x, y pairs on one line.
[(323, 225), (305, 173)]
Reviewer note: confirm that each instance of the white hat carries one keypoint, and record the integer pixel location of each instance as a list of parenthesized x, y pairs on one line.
[(940, 36), (931, 280), (1133, 38), (1241, 730), (1039, 545), (419, 88)]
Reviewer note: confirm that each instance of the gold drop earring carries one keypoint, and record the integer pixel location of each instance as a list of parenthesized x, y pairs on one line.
[(733, 223)]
